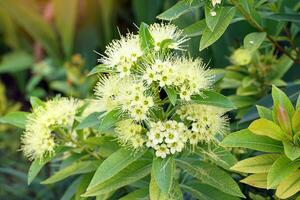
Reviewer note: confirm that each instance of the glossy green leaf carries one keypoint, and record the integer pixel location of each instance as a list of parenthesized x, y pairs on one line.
[(256, 180), (289, 186), (113, 165), (291, 151), (264, 112), (71, 190), (280, 68), (281, 169), (252, 41), (36, 102), (133, 172), (214, 99), (65, 22), (146, 40), (163, 172), (219, 155), (195, 29), (15, 62), (109, 119), (172, 94), (205, 192), (137, 194), (17, 119), (79, 167), (285, 17), (280, 98), (267, 128), (154, 191), (212, 16), (209, 37), (257, 164), (211, 175), (179, 9), (296, 121), (246, 139), (90, 121)]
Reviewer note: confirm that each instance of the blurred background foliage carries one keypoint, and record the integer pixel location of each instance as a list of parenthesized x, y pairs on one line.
[(49, 46)]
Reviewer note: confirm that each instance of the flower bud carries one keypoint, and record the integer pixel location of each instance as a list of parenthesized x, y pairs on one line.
[(283, 119), (296, 121)]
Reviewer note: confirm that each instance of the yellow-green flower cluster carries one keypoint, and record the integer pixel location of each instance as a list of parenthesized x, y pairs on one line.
[(38, 138), (188, 76), (137, 84), (130, 133), (206, 122)]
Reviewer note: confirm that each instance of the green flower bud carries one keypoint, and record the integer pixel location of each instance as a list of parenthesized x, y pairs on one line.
[(241, 57)]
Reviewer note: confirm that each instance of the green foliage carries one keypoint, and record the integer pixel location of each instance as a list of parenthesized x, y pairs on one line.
[(271, 171)]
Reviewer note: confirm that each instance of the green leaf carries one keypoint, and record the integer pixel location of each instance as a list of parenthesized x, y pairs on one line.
[(281, 169), (71, 190), (84, 182), (65, 22), (205, 192), (267, 128), (264, 112), (172, 94), (36, 102), (280, 98), (246, 139), (283, 64), (137, 194), (17, 119), (219, 155), (179, 9), (298, 102), (212, 20), (155, 192), (101, 68), (289, 186), (146, 40), (209, 37), (28, 18), (284, 17), (111, 166), (252, 41), (90, 121), (15, 62), (79, 167), (163, 172), (109, 119), (34, 169), (256, 180), (133, 172), (257, 164), (195, 29), (211, 175), (214, 99), (290, 150)]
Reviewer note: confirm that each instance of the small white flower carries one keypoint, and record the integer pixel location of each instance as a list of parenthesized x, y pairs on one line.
[(162, 151)]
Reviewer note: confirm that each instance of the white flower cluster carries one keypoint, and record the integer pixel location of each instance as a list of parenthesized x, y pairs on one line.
[(167, 137), (130, 134), (206, 122), (38, 139), (186, 75)]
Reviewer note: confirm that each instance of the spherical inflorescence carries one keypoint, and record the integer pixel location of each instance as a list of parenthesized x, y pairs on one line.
[(38, 139)]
